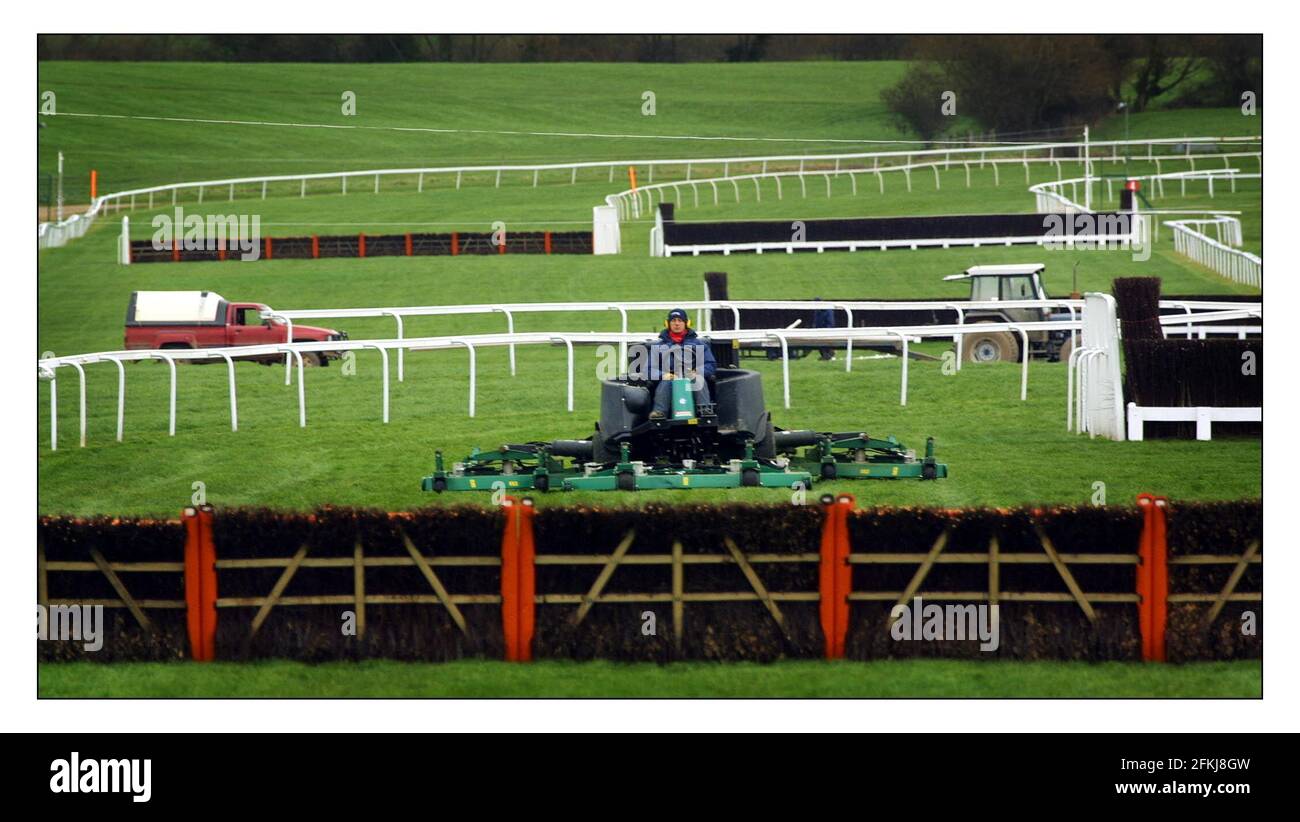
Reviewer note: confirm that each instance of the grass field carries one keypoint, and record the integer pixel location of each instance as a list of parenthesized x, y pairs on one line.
[(1001, 451), (477, 678)]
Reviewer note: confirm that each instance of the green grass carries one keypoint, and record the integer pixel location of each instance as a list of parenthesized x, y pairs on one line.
[(1000, 451), (1183, 122), (772, 100), (478, 678)]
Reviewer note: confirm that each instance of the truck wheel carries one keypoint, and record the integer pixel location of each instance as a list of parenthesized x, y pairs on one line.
[(1064, 351), (990, 346), (311, 359), (626, 481), (178, 347)]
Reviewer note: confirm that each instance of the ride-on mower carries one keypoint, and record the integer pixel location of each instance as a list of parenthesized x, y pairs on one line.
[(729, 444)]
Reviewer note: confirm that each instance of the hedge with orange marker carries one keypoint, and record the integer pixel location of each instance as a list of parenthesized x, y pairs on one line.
[(1158, 580)]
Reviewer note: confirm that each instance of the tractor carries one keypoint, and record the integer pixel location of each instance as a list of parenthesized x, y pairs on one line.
[(1019, 282), (731, 443)]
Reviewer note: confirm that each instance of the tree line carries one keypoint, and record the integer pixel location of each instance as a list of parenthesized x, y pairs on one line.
[(1020, 84)]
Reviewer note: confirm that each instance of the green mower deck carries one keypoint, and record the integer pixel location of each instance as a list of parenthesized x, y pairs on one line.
[(531, 467), (731, 446)]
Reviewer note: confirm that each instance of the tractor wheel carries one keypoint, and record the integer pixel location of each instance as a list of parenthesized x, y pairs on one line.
[(990, 346), (626, 481), (749, 477), (311, 359), (542, 482), (828, 471), (1064, 351), (439, 484)]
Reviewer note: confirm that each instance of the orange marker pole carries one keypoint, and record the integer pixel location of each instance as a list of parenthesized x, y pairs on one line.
[(631, 176), (208, 575), (1159, 580), (835, 576), (200, 583), (193, 584), (94, 183), (527, 602), (518, 581), (361, 240), (1145, 564)]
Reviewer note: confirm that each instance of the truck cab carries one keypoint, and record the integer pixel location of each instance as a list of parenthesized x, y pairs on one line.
[(1019, 282), (205, 319)]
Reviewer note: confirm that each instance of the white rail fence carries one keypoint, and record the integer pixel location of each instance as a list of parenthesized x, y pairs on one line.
[(1218, 254), (629, 201), (1203, 416), (902, 336), (1094, 390), (1051, 198), (452, 177)]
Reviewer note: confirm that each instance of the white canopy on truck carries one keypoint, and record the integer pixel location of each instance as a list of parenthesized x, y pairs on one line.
[(176, 307)]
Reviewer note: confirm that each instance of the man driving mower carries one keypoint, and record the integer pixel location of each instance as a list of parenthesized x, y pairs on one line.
[(680, 353)]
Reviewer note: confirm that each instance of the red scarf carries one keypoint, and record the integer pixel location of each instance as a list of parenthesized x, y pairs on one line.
[(677, 338)]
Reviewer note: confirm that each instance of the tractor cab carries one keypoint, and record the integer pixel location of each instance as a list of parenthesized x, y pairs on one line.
[(1020, 282), (1005, 283)]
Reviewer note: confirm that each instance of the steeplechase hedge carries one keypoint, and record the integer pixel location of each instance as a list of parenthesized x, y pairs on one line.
[(376, 245), (1177, 372), (990, 227), (659, 583)]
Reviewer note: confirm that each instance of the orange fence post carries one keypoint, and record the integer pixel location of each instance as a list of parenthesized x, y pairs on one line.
[(268, 248), (835, 576), (501, 249), (455, 243), (361, 245), (1153, 577), (176, 250), (631, 176), (315, 247), (193, 597), (408, 243), (518, 581), (94, 183), (547, 240), (1159, 580), (221, 251), (200, 583), (527, 601), (1144, 502), (208, 578)]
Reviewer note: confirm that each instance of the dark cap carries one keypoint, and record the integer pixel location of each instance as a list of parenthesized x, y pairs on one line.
[(677, 313)]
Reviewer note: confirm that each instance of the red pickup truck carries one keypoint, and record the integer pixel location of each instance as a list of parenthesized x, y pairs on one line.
[(205, 319)]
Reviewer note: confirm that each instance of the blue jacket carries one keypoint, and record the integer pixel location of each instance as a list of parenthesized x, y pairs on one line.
[(665, 355)]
